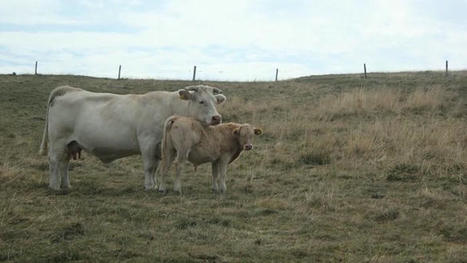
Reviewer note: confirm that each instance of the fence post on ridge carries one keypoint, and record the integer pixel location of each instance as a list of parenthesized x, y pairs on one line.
[(364, 69), (194, 73), (446, 68), (119, 70), (35, 69), (277, 73)]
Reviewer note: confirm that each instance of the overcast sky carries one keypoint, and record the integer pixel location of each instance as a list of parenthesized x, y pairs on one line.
[(230, 40)]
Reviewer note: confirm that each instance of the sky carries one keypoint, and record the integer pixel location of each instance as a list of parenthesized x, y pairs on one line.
[(243, 40)]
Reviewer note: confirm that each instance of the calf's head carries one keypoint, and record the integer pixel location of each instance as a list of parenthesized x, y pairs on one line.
[(202, 101), (245, 134)]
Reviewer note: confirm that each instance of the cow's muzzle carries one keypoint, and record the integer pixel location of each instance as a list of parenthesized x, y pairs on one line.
[(247, 147), (217, 119)]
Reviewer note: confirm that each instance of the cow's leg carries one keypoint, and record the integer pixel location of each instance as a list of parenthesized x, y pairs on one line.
[(215, 175), (222, 174), (150, 163), (58, 162), (63, 170), (54, 179)]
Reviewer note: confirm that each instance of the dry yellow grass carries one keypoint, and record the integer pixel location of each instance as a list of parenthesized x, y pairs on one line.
[(364, 101), (374, 128)]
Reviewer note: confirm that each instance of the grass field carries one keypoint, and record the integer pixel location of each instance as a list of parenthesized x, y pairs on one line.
[(347, 169)]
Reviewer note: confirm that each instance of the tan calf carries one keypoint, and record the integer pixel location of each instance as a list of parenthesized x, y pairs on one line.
[(186, 139)]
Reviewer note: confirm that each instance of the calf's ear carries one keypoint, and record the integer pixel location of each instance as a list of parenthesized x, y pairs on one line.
[(220, 98), (236, 131), (258, 131), (185, 94)]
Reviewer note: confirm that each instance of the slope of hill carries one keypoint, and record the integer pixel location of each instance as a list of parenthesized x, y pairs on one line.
[(347, 170)]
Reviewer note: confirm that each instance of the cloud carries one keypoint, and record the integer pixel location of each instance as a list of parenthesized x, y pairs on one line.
[(243, 40), (32, 12)]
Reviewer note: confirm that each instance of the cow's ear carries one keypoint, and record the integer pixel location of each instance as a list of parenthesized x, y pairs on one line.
[(220, 98), (236, 131), (258, 131), (193, 88), (185, 94)]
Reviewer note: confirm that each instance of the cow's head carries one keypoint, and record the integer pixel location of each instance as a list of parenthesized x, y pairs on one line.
[(202, 101), (245, 134)]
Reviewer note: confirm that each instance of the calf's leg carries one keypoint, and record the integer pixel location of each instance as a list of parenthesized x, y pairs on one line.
[(215, 175), (222, 174), (167, 159), (182, 156)]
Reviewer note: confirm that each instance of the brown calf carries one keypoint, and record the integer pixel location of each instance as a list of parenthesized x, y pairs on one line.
[(186, 139)]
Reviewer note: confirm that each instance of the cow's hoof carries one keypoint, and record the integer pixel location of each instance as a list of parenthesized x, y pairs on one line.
[(222, 189), (65, 191), (66, 187), (54, 188), (58, 192), (149, 189)]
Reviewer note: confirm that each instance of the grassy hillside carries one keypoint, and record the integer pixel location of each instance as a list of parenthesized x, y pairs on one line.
[(348, 170)]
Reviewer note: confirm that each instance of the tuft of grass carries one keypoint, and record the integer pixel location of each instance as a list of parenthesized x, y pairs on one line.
[(387, 215), (455, 233), (427, 99), (68, 233), (403, 172), (315, 158)]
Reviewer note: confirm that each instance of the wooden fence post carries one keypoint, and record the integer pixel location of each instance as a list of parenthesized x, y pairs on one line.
[(35, 69), (277, 73), (119, 70), (364, 69), (194, 73), (446, 68)]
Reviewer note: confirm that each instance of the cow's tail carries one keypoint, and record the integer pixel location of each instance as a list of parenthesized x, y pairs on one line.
[(43, 147), (55, 93)]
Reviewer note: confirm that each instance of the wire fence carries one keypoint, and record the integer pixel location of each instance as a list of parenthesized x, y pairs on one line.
[(275, 74)]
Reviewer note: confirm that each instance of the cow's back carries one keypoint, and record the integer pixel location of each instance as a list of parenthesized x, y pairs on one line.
[(76, 107), (104, 124)]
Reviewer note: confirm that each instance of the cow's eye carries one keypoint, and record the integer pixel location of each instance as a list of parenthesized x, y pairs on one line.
[(201, 102)]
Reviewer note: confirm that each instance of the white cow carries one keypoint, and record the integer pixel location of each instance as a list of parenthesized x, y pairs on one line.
[(112, 126)]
